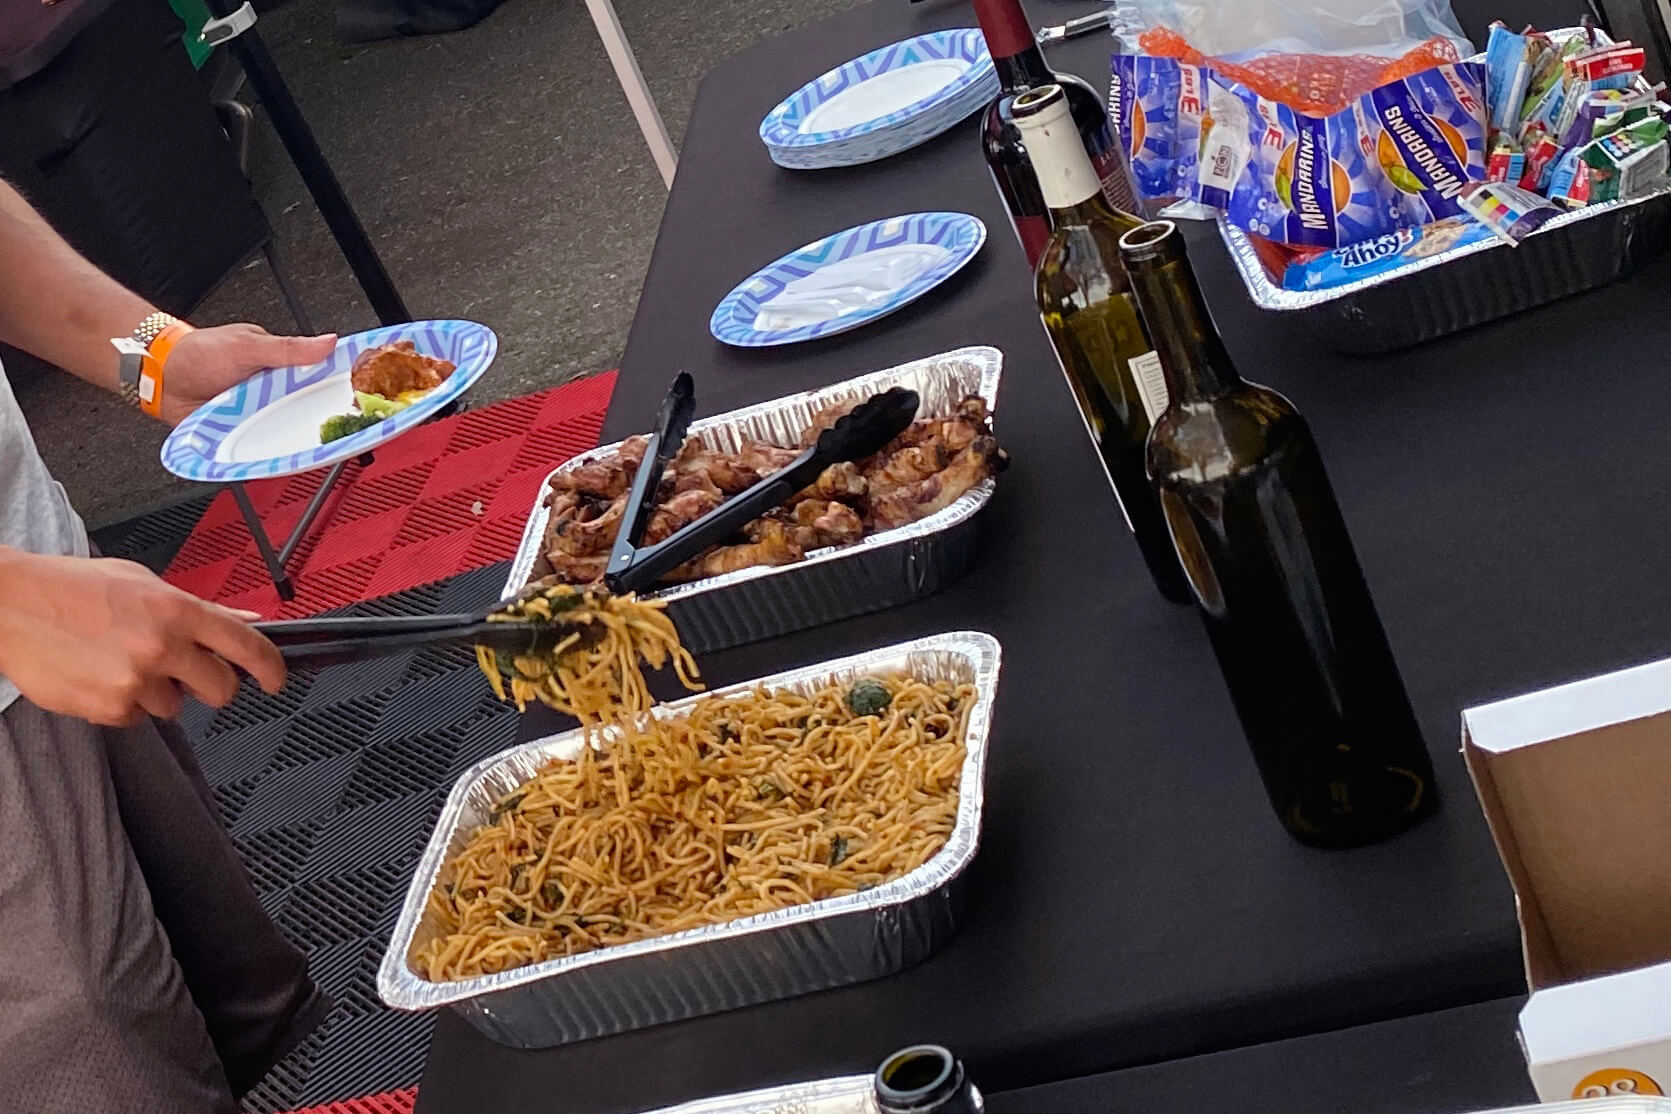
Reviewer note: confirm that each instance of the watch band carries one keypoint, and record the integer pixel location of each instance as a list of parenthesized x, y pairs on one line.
[(144, 355), (153, 325)]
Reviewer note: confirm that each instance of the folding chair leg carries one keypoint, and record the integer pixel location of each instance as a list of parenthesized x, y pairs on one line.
[(633, 85), (282, 277)]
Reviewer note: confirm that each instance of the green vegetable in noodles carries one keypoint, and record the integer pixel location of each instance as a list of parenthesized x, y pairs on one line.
[(868, 697)]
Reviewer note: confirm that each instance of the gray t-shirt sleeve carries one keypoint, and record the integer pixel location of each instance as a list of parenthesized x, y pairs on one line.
[(35, 514)]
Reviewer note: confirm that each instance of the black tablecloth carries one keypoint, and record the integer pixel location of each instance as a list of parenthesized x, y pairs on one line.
[(1435, 1063), (1135, 901)]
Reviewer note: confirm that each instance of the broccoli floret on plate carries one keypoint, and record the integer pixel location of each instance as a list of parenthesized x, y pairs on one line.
[(868, 697), (338, 426)]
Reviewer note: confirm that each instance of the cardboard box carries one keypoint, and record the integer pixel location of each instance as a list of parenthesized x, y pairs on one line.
[(1576, 785)]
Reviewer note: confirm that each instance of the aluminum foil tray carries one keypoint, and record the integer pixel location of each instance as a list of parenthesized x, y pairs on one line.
[(847, 1094), (1467, 286), (884, 570), (1457, 289), (855, 1094), (717, 967)]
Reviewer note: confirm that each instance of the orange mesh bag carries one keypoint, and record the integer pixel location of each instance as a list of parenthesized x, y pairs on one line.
[(1311, 83)]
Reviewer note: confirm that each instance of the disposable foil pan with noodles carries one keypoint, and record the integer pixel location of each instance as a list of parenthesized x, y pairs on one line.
[(1462, 287), (705, 970), (887, 568), (856, 1094), (845, 1094)]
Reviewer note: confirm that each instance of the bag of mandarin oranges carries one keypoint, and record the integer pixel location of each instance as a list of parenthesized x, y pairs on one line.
[(1310, 123)]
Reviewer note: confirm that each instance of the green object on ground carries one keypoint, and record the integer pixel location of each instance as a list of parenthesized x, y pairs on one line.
[(194, 14)]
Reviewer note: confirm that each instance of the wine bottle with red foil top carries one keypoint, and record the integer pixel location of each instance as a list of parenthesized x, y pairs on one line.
[(1021, 66)]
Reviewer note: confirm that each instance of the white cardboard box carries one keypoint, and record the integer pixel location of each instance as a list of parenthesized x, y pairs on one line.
[(1576, 785)]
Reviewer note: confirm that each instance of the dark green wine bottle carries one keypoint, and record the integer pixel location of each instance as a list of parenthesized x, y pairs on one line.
[(1086, 304), (925, 1079), (1267, 553)]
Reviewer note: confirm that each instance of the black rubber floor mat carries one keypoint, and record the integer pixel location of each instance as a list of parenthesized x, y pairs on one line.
[(330, 791), (154, 536)]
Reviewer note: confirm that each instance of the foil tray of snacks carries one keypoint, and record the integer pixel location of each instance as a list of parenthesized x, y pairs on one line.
[(1437, 290), (867, 553), (880, 914), (1410, 197)]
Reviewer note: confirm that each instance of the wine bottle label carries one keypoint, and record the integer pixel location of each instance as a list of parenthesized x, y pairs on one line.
[(1151, 384), (1111, 168)]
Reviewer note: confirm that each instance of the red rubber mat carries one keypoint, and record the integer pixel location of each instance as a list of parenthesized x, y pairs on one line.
[(395, 1102), (449, 496)]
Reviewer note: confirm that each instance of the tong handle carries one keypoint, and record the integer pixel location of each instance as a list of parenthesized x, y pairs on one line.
[(356, 644), (666, 438), (857, 434), (282, 632)]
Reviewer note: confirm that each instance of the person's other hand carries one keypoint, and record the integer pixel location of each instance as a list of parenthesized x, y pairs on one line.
[(109, 642), (206, 362)]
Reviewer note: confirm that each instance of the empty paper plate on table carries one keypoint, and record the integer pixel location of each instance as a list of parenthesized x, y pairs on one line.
[(848, 279), (881, 103), (269, 425)]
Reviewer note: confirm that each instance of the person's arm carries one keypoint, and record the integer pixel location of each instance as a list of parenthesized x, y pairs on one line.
[(56, 305), (109, 642)]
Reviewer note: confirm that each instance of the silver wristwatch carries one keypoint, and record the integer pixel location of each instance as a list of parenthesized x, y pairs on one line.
[(133, 349)]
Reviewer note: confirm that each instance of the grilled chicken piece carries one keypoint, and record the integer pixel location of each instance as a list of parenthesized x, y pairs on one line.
[(391, 370), (696, 466), (826, 418), (842, 482), (821, 524), (765, 459), (775, 546), (957, 432), (679, 512), (909, 502), (906, 466), (569, 569), (584, 536)]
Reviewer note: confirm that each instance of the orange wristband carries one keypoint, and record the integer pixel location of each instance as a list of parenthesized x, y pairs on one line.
[(156, 361)]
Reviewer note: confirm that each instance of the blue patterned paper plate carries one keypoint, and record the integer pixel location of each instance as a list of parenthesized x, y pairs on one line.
[(883, 102), (846, 280), (268, 425)]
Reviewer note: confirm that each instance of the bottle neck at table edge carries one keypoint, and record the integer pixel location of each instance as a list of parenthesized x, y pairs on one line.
[(1010, 40), (1192, 354)]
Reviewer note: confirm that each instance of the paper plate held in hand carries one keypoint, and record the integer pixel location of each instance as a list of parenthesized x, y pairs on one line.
[(846, 280), (268, 425)]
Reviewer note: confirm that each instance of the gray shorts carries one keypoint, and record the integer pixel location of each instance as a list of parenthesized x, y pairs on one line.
[(138, 971)]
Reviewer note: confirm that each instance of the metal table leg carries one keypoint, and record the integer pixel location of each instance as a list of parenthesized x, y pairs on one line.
[(321, 181)]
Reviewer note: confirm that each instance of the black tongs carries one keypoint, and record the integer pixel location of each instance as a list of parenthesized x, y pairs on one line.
[(859, 433), (307, 643), (310, 643)]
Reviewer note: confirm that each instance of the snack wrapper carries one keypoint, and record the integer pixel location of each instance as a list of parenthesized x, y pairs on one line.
[(1311, 180), (1509, 61), (1143, 97), (1226, 150), (1382, 254), (1430, 138), (1509, 212), (1506, 163), (1607, 67), (1623, 162), (1189, 141)]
